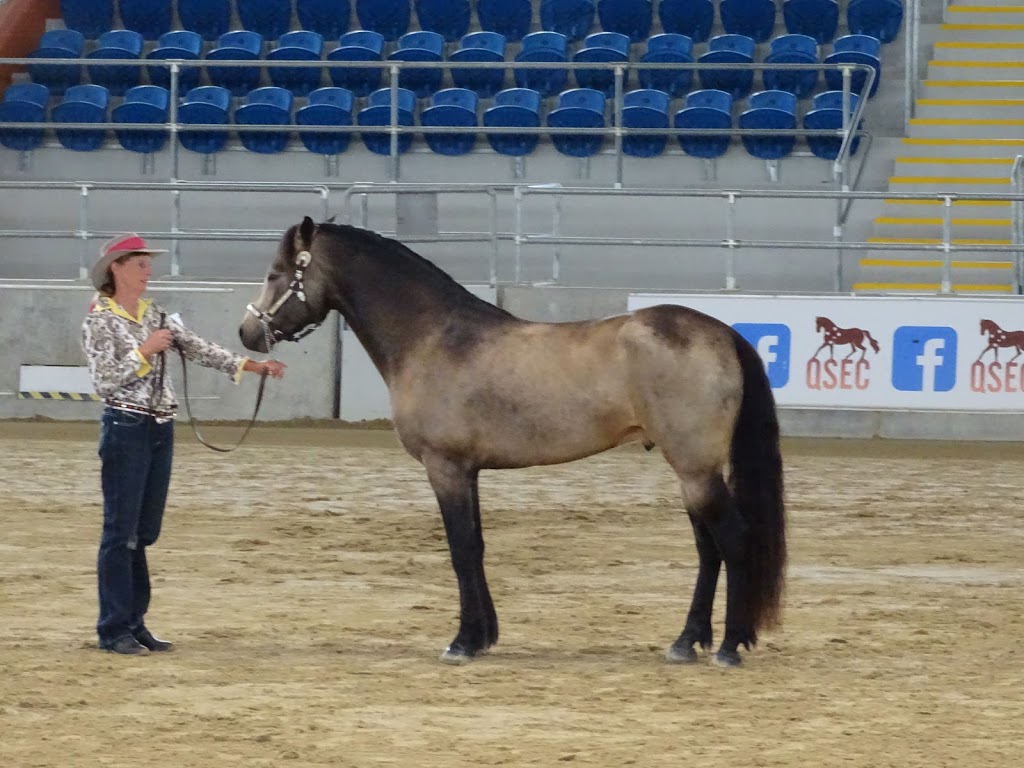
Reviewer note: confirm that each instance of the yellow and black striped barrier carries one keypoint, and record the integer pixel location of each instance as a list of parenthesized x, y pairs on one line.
[(82, 396)]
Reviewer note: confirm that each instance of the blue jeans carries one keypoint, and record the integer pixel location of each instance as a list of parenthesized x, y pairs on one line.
[(136, 454)]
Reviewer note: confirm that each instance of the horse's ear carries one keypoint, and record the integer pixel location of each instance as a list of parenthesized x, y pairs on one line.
[(306, 229), (331, 220)]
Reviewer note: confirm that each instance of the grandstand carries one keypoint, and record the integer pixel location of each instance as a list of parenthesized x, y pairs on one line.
[(559, 77)]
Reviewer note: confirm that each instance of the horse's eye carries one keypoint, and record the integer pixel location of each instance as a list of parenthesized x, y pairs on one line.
[(273, 276)]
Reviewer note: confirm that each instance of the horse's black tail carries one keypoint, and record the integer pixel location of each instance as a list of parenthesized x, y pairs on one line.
[(757, 485), (871, 340)]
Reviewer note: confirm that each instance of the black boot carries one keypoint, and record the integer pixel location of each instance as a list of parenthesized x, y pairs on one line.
[(145, 638), (127, 646)]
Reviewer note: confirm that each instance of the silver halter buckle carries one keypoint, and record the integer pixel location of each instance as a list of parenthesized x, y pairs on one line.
[(296, 289)]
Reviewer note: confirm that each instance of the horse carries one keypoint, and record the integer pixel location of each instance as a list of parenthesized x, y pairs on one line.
[(997, 338), (473, 387), (836, 335)]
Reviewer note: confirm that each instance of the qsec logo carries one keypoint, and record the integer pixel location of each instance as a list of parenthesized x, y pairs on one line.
[(772, 342), (924, 358)]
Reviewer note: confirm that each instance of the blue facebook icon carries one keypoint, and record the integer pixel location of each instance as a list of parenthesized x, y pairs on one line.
[(772, 342), (924, 358)]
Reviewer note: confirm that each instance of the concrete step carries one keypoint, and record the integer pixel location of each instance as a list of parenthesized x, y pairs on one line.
[(943, 184), (972, 89), (960, 50), (982, 33), (912, 288), (982, 109), (944, 69), (907, 165), (965, 128), (961, 147), (929, 208), (990, 13), (930, 227), (989, 3)]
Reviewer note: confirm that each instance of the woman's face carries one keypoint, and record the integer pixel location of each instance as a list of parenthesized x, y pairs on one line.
[(133, 273)]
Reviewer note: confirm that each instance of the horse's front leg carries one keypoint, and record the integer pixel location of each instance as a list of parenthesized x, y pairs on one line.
[(456, 490)]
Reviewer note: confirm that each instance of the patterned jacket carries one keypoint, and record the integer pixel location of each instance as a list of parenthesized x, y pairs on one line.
[(111, 337)]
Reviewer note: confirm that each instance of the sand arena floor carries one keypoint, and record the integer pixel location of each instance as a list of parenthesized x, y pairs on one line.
[(309, 610)]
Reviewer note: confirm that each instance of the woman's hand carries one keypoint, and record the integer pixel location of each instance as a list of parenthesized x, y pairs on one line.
[(273, 368), (157, 342)]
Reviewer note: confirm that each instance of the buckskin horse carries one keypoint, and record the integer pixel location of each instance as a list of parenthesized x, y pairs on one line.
[(473, 387)]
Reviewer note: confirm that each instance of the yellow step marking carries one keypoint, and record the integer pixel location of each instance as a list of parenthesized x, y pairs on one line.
[(911, 201), (928, 221), (968, 44), (971, 102), (975, 83), (932, 263), (976, 64), (957, 121), (934, 287), (957, 160), (986, 9), (936, 241), (934, 142), (983, 27), (949, 180)]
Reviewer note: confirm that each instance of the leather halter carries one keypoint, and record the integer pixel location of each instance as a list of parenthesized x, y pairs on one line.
[(295, 288)]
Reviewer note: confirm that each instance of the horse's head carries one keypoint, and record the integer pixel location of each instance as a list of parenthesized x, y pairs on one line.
[(822, 323), (293, 301), (988, 326)]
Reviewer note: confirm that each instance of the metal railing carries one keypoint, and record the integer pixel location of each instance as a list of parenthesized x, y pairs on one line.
[(852, 117), (912, 59), (1017, 214)]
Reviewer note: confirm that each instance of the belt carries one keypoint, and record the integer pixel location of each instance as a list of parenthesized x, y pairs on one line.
[(155, 412)]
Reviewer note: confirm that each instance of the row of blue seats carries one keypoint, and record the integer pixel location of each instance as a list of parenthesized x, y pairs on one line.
[(512, 18), (537, 47), (512, 108)]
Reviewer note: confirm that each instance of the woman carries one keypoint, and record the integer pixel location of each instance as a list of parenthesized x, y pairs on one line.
[(123, 336)]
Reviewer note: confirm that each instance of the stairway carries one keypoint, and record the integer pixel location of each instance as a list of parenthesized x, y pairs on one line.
[(968, 130)]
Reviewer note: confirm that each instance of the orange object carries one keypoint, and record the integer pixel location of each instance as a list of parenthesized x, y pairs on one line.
[(22, 23)]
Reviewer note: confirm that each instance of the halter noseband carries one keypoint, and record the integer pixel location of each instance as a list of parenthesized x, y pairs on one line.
[(296, 289)]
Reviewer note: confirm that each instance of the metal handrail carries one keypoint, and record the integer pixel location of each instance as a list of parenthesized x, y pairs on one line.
[(1017, 217)]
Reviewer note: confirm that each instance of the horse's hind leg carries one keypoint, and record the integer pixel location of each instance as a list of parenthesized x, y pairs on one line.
[(456, 491), (698, 620)]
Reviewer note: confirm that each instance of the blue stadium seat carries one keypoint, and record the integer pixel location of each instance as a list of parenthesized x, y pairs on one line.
[(693, 18), (23, 103), (378, 113), (792, 49), (150, 18), (90, 17), (668, 48), (179, 44), (454, 107), (268, 18), (82, 104), (389, 17), (117, 44), (814, 18), (419, 46), (514, 108), (358, 45), (602, 47), (645, 108), (240, 45), (205, 105), (265, 106), (876, 18), (572, 18), (326, 106), (631, 18), (484, 47), (511, 18), (753, 18), (826, 113), (142, 104), (449, 18), (769, 110), (210, 18), (705, 110), (327, 17), (547, 47), (300, 45), (578, 108), (58, 44), (728, 49), (854, 49)]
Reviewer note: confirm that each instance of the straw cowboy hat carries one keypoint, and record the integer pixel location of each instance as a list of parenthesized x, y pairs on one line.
[(112, 250)]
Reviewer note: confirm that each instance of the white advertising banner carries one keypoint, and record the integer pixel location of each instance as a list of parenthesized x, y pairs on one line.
[(901, 352)]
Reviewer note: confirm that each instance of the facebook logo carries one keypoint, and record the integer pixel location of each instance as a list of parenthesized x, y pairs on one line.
[(772, 342), (924, 358)]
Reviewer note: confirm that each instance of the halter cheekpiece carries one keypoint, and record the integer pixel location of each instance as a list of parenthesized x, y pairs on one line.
[(295, 288)]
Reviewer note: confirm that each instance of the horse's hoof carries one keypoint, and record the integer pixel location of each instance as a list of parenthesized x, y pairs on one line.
[(727, 659), (455, 656), (681, 654)]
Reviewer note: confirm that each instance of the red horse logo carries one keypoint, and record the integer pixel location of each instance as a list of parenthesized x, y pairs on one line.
[(836, 335), (997, 338)]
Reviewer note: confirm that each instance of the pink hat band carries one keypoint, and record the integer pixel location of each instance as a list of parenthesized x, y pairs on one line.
[(131, 243)]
